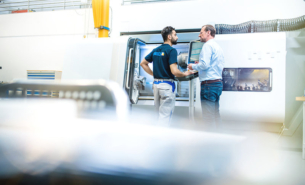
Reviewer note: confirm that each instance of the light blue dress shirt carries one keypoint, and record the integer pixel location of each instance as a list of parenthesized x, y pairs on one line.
[(211, 61)]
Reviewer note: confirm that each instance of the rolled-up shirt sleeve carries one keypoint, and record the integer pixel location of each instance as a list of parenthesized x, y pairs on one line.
[(204, 58)]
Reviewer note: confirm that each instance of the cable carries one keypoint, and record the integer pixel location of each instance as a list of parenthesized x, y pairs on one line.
[(281, 132), (110, 22), (76, 8), (86, 12)]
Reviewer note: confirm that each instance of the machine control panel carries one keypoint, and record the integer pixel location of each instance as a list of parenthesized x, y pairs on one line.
[(187, 78), (194, 51), (188, 58)]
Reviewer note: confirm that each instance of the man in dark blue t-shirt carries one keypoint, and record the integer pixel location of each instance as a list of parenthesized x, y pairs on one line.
[(164, 59)]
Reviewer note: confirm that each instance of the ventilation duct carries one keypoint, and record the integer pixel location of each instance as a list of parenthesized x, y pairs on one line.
[(276, 25)]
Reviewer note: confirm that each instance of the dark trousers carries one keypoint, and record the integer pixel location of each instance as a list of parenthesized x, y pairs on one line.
[(210, 95)]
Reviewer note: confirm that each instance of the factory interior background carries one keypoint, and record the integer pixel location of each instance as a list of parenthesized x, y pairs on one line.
[(62, 141)]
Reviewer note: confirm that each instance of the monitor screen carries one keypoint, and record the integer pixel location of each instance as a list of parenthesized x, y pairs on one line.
[(195, 49)]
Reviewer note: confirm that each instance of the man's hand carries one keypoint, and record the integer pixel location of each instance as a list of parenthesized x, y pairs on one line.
[(186, 73), (190, 66)]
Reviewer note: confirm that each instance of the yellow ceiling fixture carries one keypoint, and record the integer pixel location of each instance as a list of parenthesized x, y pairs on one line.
[(101, 16)]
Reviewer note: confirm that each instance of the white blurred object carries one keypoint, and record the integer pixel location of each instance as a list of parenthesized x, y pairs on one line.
[(36, 130), (13, 112), (106, 94)]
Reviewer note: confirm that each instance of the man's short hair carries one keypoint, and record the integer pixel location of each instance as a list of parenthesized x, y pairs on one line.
[(211, 28), (166, 31)]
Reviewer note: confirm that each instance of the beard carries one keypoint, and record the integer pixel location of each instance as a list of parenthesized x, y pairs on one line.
[(174, 42), (203, 40)]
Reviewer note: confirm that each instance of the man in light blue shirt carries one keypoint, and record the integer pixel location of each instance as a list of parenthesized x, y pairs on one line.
[(209, 67)]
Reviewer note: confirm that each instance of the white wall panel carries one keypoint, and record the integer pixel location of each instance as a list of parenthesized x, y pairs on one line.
[(254, 106), (88, 59), (63, 22), (19, 54)]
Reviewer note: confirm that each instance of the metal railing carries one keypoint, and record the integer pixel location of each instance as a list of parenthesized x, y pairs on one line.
[(18, 6)]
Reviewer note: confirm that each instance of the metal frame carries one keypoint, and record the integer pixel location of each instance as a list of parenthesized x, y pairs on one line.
[(159, 32), (41, 5), (129, 66), (146, 1)]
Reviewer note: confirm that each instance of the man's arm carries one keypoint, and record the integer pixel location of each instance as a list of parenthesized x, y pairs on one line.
[(173, 65), (175, 71), (144, 65)]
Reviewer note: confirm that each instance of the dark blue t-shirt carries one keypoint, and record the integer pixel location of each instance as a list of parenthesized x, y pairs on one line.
[(162, 57)]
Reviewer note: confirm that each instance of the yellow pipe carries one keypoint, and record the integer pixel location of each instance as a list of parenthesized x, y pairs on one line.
[(101, 16)]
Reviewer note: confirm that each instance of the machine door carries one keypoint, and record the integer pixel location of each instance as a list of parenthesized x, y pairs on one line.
[(133, 82)]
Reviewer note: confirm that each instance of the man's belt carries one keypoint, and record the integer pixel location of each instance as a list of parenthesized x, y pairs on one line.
[(161, 80), (210, 81)]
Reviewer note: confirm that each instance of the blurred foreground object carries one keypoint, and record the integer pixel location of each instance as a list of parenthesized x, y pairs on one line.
[(44, 141), (92, 96), (82, 151)]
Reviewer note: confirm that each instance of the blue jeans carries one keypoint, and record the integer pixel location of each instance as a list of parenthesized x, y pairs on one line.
[(210, 95)]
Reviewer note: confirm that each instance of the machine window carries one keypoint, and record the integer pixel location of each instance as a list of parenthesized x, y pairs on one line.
[(247, 79)]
